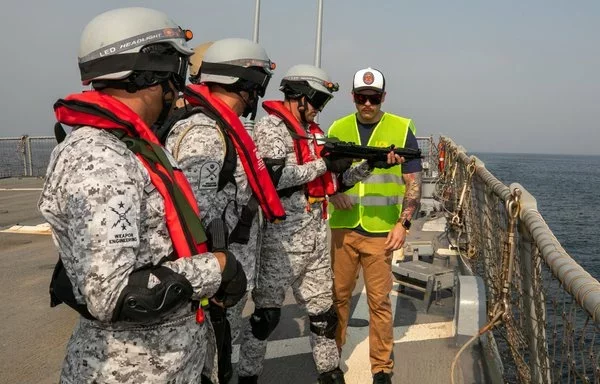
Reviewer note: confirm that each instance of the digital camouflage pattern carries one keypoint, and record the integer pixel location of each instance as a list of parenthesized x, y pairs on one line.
[(294, 253), (107, 220), (358, 172), (199, 147)]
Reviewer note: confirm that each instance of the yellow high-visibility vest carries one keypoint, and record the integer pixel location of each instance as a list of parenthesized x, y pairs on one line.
[(376, 201)]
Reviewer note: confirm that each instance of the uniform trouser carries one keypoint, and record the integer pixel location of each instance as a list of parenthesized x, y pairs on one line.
[(309, 275), (349, 252), (176, 351), (246, 255), (232, 326)]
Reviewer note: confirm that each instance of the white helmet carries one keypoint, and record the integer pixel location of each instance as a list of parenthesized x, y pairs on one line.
[(310, 81), (111, 45), (196, 60), (237, 62)]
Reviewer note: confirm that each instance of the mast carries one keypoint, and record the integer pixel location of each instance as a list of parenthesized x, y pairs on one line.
[(318, 38), (319, 33), (256, 20), (249, 124)]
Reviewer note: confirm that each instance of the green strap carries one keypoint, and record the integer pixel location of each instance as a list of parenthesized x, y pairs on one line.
[(192, 220), (155, 154)]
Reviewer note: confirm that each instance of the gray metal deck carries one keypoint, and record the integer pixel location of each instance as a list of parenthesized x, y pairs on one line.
[(33, 335)]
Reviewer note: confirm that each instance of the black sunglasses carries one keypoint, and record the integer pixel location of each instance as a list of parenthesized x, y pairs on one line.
[(374, 99)]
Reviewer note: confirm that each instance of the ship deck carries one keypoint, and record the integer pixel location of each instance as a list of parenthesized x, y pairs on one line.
[(33, 335)]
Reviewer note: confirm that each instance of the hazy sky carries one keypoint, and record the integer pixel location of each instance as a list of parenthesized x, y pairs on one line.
[(502, 76)]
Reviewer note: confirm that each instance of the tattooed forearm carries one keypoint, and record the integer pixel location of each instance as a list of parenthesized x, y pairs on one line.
[(412, 194)]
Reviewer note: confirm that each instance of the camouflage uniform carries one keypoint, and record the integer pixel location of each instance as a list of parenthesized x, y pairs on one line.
[(358, 172), (199, 148), (294, 252), (107, 220)]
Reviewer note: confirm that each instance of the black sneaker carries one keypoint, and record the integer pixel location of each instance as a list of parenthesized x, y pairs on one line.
[(382, 378)]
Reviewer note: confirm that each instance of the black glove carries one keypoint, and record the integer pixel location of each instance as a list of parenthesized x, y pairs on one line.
[(373, 163), (233, 282), (337, 165), (233, 279)]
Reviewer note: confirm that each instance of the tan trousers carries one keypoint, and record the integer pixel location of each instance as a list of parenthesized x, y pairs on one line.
[(349, 252)]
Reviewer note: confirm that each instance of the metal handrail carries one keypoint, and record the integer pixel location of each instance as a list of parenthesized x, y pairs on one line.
[(574, 279)]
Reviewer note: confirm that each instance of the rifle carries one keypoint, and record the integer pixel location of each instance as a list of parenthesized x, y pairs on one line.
[(336, 149)]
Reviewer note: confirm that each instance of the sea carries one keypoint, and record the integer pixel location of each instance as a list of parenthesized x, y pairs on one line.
[(567, 190)]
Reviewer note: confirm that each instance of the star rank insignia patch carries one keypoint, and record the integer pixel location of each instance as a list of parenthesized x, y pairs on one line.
[(121, 223)]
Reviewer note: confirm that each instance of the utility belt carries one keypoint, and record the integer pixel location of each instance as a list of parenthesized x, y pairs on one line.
[(314, 200), (310, 200), (287, 192)]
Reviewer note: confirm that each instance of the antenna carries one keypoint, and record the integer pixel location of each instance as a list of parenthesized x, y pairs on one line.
[(256, 20), (249, 123), (319, 33)]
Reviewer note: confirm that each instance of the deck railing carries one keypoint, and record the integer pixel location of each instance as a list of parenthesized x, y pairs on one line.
[(548, 306), (29, 155), (25, 155)]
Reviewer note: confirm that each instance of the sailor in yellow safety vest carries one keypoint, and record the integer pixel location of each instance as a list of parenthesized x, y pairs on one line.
[(371, 219)]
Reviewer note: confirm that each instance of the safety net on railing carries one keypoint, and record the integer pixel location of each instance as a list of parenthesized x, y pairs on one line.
[(544, 306)]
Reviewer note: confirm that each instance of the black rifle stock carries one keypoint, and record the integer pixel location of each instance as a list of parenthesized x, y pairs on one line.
[(337, 149)]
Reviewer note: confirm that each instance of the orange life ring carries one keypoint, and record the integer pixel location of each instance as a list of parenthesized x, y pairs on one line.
[(442, 157)]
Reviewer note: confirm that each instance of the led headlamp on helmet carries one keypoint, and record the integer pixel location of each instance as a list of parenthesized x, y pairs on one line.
[(119, 43), (133, 49)]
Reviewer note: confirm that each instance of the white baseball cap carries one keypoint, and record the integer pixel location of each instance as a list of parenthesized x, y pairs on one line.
[(368, 78)]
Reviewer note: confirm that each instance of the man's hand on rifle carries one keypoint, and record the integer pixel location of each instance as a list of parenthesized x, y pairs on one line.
[(392, 159)]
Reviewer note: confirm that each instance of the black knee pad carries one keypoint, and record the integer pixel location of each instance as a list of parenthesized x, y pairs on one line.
[(264, 321), (330, 319)]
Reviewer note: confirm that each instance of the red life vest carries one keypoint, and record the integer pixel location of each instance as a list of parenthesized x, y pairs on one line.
[(102, 111), (254, 166), (324, 185)]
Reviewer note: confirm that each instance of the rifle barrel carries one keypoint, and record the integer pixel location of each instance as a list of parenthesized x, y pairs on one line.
[(345, 149)]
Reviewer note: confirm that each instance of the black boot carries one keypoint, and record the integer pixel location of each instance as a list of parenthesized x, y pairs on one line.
[(335, 376), (248, 380)]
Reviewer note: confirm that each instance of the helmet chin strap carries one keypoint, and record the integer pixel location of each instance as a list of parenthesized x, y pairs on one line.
[(302, 109), (250, 109), (166, 105)]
